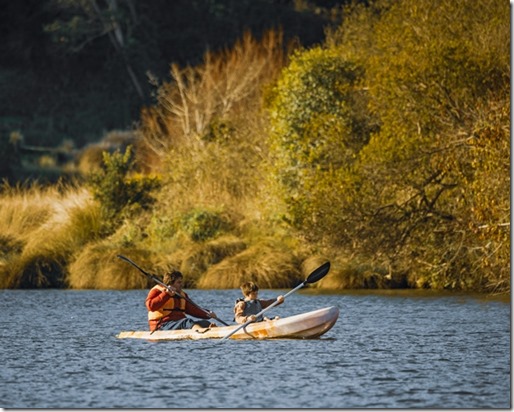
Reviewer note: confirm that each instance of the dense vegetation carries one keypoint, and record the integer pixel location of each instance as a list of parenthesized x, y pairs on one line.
[(385, 149)]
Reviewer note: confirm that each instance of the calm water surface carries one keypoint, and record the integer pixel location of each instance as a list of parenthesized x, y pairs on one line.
[(59, 350)]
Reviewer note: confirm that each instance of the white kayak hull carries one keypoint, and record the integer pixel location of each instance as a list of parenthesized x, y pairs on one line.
[(303, 326)]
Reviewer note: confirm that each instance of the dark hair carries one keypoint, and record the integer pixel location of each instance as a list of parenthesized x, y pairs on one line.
[(172, 276)]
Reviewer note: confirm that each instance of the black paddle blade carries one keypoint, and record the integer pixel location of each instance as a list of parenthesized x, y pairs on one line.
[(126, 259), (318, 273)]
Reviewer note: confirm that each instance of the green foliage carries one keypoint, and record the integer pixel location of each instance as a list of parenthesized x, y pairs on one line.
[(431, 92), (389, 145), (435, 87), (203, 224), (319, 124), (119, 193)]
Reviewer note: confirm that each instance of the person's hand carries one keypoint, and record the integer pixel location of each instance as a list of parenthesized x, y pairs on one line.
[(170, 290), (280, 299), (251, 318), (212, 314)]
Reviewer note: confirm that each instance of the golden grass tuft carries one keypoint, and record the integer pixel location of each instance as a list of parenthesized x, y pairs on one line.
[(37, 270), (44, 226), (263, 264), (98, 267), (312, 263), (202, 256), (90, 159)]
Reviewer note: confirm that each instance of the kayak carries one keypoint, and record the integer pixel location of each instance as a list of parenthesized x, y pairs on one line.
[(308, 325)]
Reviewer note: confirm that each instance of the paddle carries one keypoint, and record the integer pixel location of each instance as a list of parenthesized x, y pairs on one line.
[(158, 281), (316, 275)]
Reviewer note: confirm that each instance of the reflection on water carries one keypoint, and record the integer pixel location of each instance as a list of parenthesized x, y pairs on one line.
[(387, 350)]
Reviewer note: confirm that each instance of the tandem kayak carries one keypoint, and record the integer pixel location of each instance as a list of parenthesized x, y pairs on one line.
[(303, 326)]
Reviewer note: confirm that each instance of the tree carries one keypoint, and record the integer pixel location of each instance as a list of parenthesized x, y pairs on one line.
[(412, 194), (86, 20), (319, 123)]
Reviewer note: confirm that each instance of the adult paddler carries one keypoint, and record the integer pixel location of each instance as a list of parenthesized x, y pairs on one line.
[(167, 309)]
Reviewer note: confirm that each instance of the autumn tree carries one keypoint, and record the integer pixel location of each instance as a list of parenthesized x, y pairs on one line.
[(414, 194)]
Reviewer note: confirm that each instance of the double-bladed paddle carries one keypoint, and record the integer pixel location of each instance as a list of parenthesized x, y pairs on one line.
[(316, 275), (158, 281)]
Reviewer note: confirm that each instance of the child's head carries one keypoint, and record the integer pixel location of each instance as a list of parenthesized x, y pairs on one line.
[(249, 287)]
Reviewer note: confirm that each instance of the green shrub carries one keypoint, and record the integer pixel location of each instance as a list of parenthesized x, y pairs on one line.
[(204, 224), (119, 192)]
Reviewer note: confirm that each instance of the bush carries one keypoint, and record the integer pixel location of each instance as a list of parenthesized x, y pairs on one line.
[(97, 267), (204, 224), (42, 229), (200, 257), (119, 192)]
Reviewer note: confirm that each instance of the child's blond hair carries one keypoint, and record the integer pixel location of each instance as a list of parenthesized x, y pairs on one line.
[(248, 288)]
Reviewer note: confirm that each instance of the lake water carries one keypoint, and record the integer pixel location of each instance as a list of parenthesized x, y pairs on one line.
[(387, 350)]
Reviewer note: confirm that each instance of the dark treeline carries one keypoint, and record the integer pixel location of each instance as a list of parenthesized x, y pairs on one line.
[(71, 70)]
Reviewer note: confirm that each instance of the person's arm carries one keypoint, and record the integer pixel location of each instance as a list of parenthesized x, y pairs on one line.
[(195, 311), (266, 302), (156, 299)]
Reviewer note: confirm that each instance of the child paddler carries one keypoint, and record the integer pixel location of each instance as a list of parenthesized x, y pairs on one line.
[(245, 309), (167, 310)]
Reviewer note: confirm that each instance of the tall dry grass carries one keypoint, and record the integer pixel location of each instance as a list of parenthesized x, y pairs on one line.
[(265, 264), (207, 137), (98, 267), (200, 257), (45, 226)]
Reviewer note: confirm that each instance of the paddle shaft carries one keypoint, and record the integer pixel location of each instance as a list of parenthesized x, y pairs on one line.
[(158, 281)]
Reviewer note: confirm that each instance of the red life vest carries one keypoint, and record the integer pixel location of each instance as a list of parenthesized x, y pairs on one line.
[(175, 303)]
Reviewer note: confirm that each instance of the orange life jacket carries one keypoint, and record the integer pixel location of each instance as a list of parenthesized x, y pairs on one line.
[(167, 307)]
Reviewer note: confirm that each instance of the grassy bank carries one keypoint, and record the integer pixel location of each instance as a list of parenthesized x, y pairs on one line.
[(52, 239)]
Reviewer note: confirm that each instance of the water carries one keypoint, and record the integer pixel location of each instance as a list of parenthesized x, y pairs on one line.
[(59, 350)]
